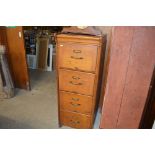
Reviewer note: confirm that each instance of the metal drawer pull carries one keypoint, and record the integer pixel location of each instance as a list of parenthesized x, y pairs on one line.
[(75, 99), (75, 104), (75, 78), (75, 122), (75, 83), (76, 57), (76, 51)]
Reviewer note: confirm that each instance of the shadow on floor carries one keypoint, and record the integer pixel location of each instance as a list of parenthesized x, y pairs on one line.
[(6, 123), (38, 76)]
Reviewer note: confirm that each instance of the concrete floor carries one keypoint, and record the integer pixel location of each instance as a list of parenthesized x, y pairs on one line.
[(153, 125), (35, 109)]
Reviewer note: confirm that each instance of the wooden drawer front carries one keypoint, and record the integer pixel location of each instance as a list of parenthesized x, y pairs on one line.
[(75, 120), (76, 103), (77, 82), (76, 56)]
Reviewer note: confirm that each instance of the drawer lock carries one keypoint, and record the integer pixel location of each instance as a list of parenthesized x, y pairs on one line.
[(76, 51), (75, 99), (75, 78)]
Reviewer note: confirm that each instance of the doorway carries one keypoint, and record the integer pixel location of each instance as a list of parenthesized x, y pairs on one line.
[(40, 53), (37, 108)]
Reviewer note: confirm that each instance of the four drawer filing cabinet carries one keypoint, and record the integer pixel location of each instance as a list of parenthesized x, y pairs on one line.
[(79, 66)]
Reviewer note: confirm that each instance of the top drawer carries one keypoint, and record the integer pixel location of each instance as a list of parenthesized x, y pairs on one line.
[(77, 56)]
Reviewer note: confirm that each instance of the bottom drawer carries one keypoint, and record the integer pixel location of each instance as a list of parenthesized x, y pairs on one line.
[(75, 120)]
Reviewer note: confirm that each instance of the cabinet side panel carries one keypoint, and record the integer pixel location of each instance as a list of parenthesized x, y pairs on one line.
[(141, 65), (119, 58)]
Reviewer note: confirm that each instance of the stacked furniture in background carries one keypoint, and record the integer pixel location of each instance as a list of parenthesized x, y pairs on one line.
[(30, 46), (79, 60), (44, 53), (39, 50)]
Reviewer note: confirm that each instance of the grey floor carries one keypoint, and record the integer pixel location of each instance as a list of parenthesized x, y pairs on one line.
[(153, 125), (35, 109)]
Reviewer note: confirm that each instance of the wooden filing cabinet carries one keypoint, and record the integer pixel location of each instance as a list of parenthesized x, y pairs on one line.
[(79, 63)]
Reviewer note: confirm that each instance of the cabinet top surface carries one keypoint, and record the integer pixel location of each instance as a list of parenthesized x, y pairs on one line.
[(78, 36), (98, 40)]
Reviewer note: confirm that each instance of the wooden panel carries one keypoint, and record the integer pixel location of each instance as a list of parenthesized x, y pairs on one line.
[(77, 82), (75, 120), (139, 74), (76, 56), (17, 57), (119, 57), (3, 40), (42, 53), (75, 102), (128, 78)]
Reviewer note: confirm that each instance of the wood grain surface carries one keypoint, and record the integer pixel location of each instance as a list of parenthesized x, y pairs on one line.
[(132, 60), (17, 57)]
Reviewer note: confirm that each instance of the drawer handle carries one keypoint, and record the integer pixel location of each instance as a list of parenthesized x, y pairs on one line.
[(75, 99), (75, 83), (76, 57), (76, 51), (75, 122), (75, 78), (75, 104)]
